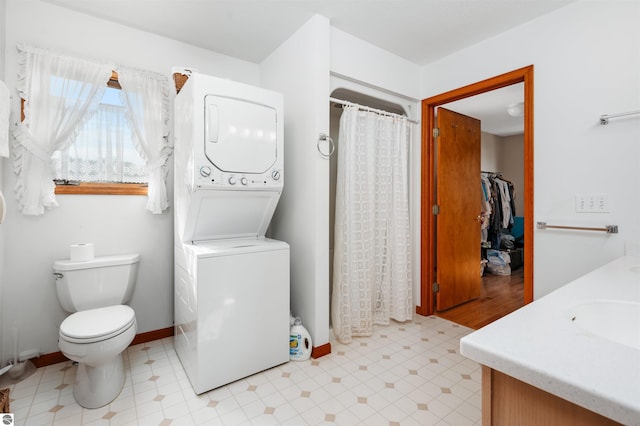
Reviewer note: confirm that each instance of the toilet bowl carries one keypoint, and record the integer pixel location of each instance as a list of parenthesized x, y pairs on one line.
[(96, 339), (100, 326)]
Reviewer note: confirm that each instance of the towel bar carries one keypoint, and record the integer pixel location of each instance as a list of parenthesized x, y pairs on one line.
[(609, 229)]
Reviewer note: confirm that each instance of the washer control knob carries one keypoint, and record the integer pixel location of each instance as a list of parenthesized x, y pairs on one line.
[(243, 180), (205, 171), (275, 174), (232, 180)]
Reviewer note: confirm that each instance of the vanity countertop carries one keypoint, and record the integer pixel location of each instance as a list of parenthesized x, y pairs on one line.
[(541, 345)]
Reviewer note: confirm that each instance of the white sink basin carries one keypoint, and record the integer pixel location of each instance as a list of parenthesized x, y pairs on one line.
[(614, 320)]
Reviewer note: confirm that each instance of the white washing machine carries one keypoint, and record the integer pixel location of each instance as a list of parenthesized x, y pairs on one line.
[(232, 310), (231, 282)]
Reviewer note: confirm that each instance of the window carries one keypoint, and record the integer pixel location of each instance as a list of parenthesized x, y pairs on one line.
[(103, 158), (64, 98), (104, 150)]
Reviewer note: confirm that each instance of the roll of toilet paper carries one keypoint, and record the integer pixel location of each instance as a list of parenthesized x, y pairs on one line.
[(81, 252)]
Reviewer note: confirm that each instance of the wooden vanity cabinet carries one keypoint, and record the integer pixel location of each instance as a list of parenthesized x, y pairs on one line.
[(508, 401)]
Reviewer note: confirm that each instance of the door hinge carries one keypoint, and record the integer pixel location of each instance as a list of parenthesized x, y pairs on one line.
[(435, 287), (436, 132), (435, 209)]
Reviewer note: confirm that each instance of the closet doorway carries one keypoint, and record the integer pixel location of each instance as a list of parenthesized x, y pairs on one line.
[(429, 197)]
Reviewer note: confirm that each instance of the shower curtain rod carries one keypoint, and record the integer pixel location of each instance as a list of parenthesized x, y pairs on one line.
[(366, 108)]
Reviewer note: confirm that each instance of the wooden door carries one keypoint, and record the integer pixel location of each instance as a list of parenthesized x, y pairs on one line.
[(458, 196)]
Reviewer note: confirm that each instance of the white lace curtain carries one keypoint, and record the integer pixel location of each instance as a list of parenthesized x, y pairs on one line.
[(146, 96), (47, 82), (103, 151), (372, 280), (61, 94)]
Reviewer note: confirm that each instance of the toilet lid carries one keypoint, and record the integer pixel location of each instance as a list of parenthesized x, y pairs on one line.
[(97, 324)]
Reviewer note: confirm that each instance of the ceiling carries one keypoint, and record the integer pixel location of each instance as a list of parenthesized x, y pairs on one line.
[(491, 109), (421, 31)]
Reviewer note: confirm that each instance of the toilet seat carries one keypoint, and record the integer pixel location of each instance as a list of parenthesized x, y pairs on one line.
[(96, 325)]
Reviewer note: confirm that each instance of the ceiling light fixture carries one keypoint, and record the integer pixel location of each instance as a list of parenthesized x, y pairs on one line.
[(516, 110)]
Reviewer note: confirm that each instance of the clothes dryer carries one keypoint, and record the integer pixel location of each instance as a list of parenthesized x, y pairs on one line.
[(229, 158)]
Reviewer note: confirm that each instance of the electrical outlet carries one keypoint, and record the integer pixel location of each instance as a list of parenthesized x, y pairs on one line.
[(592, 203)]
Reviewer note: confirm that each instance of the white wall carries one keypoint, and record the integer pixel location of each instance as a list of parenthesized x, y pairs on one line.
[(489, 152), (3, 5), (116, 224), (586, 64), (512, 166), (299, 69), (369, 65), (3, 19), (505, 155)]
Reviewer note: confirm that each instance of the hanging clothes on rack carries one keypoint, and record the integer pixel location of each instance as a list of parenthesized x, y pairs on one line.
[(486, 209), (499, 208)]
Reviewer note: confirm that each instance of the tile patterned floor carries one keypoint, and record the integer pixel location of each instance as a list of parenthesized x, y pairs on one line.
[(405, 374)]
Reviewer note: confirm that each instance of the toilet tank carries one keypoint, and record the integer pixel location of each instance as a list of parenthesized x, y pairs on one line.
[(102, 281)]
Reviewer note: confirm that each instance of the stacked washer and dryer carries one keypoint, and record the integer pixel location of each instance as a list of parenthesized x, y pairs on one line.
[(231, 282)]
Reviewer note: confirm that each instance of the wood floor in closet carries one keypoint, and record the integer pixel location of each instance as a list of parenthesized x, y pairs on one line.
[(500, 295)]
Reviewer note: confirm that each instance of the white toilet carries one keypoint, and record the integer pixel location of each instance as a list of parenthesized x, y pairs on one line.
[(100, 327)]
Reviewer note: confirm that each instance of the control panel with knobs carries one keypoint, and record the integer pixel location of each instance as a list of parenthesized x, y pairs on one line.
[(208, 176)]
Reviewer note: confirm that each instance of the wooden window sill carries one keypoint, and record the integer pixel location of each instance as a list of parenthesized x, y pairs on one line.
[(98, 188)]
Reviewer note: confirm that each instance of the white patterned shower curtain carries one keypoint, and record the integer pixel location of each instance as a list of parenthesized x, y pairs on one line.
[(372, 280)]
